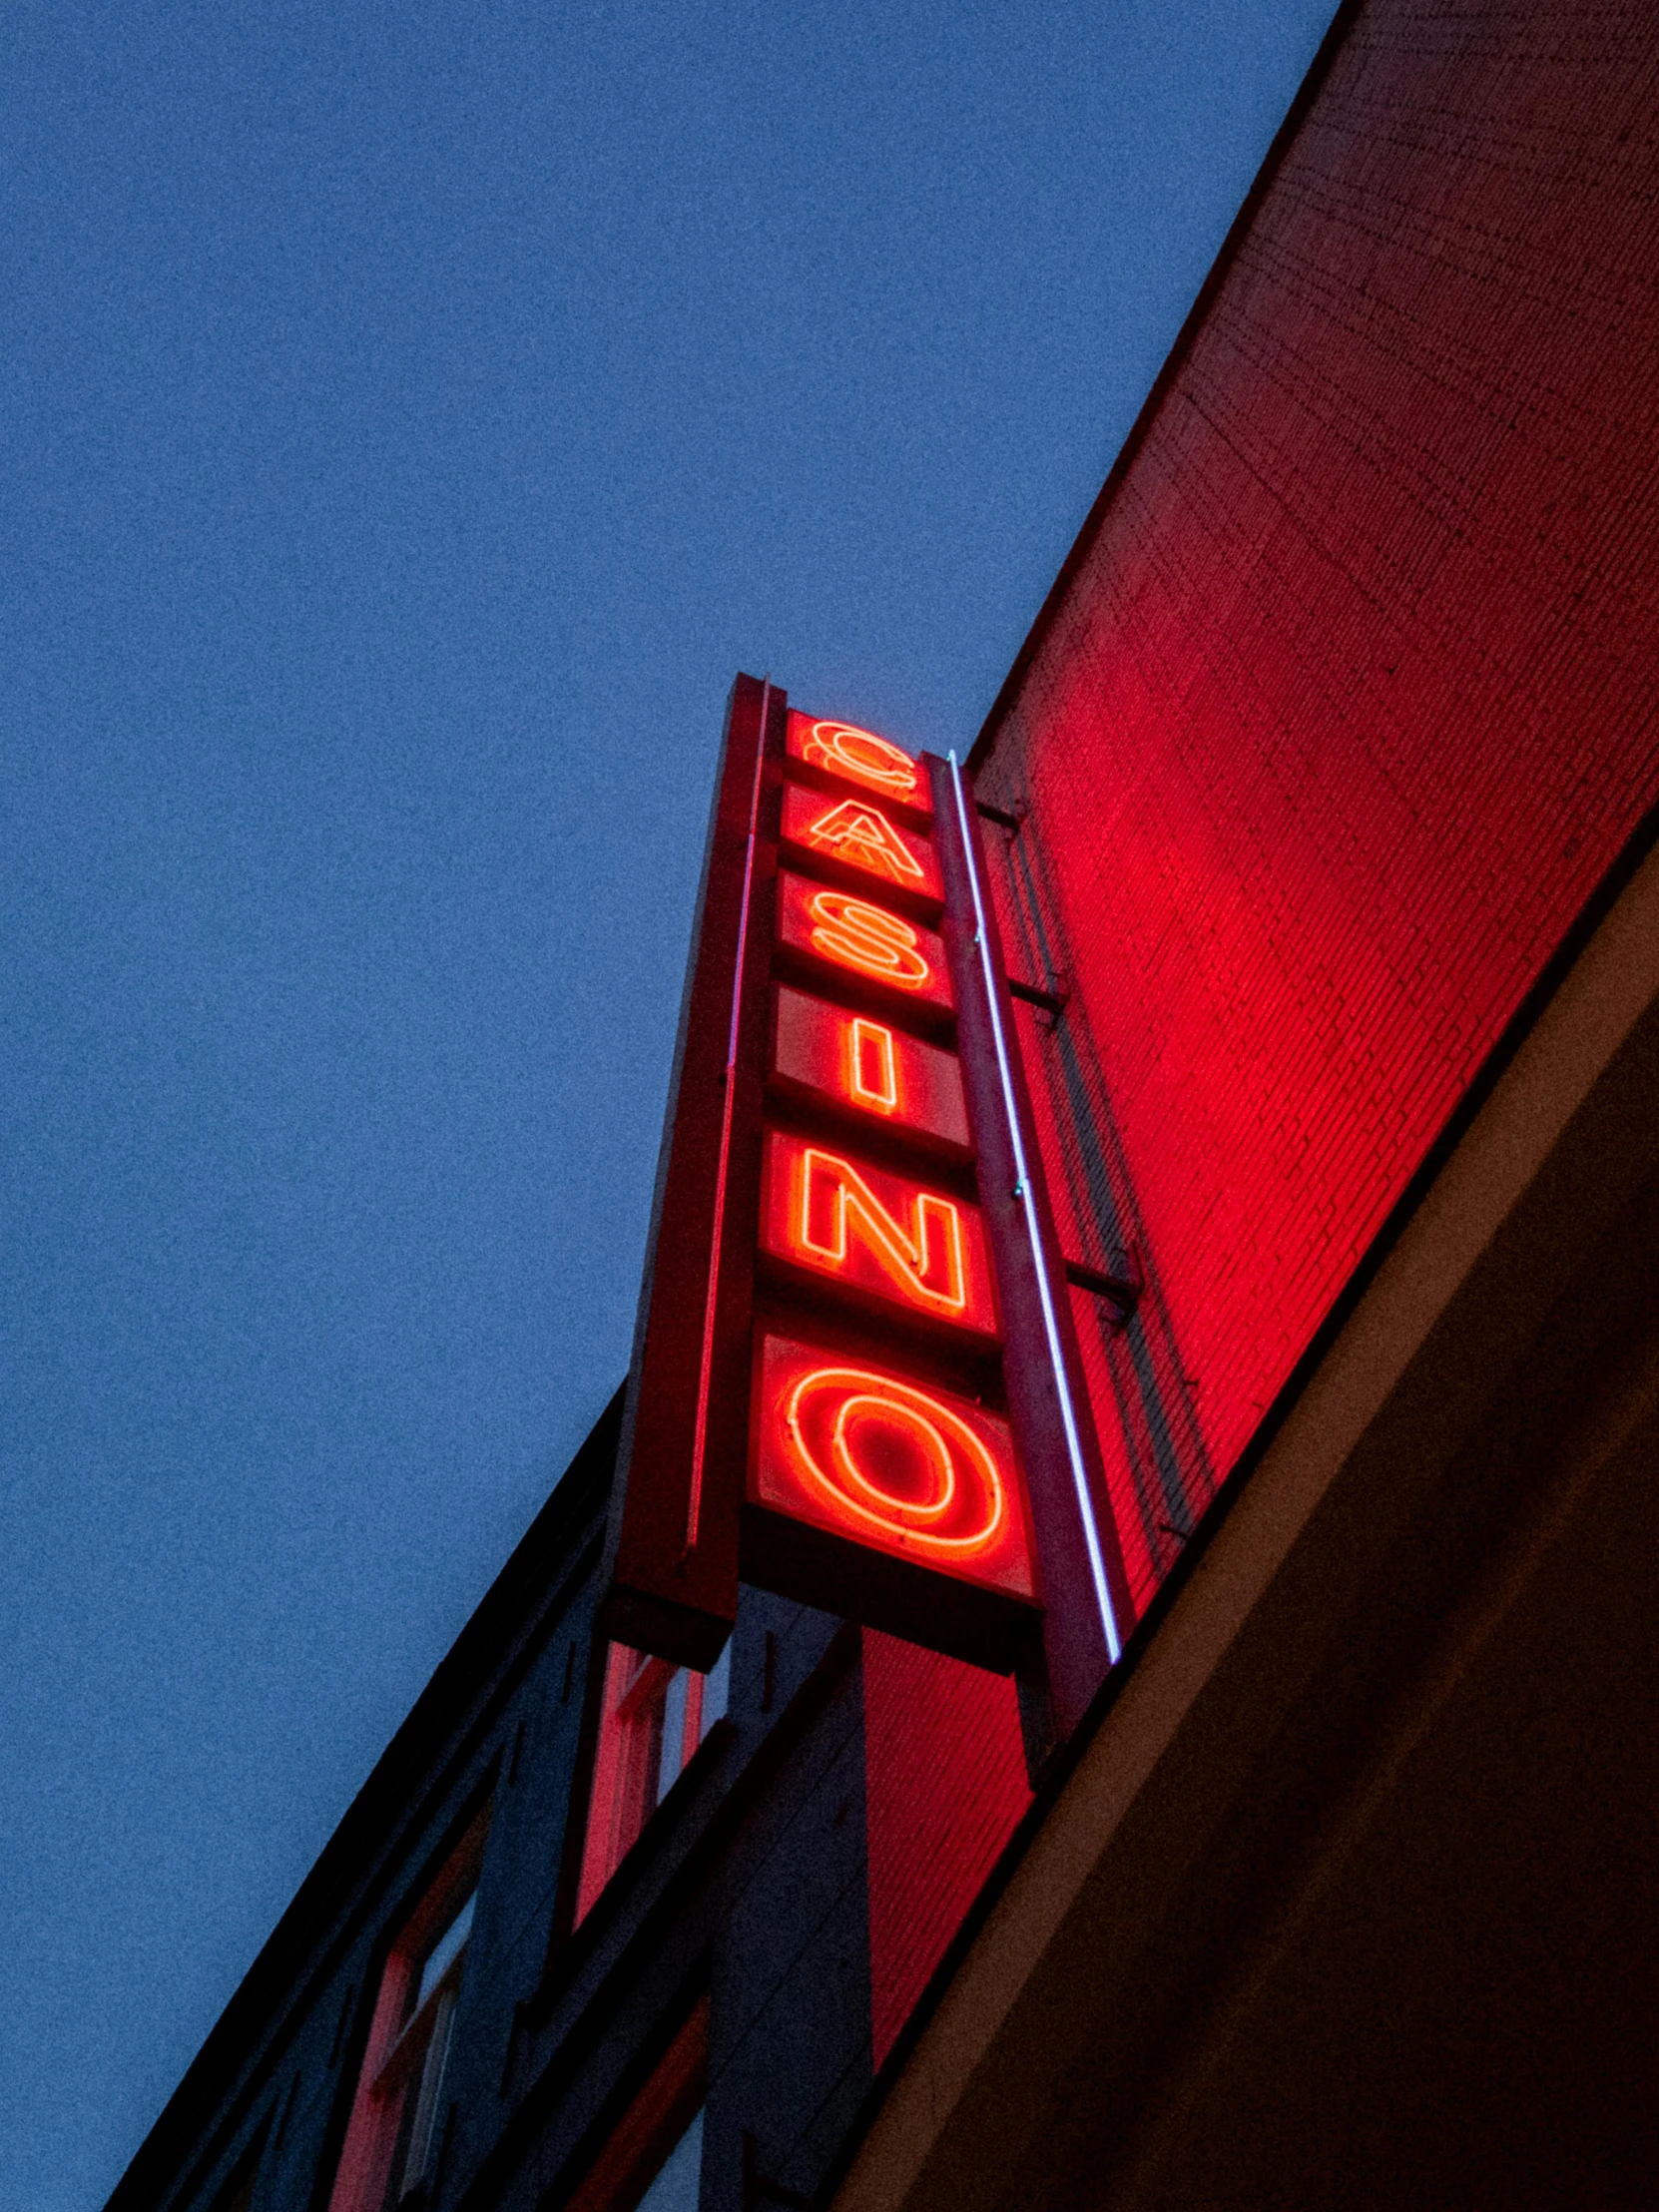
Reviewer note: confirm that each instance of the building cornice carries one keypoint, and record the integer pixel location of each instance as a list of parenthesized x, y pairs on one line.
[(1331, 1573)]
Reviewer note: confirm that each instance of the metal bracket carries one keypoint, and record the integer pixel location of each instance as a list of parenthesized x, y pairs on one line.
[(1123, 1291), (1005, 817), (1052, 1003)]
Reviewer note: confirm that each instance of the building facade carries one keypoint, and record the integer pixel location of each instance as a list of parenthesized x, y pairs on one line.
[(1317, 813)]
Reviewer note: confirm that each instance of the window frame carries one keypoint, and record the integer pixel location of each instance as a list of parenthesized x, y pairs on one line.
[(624, 1761), (399, 2091), (649, 2129)]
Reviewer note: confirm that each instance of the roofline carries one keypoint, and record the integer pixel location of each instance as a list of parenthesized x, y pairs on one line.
[(1174, 361), (484, 1647), (1579, 941)]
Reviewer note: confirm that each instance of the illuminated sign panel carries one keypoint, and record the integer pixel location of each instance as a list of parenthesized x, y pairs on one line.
[(872, 1456), (863, 939), (856, 756), (875, 1233), (854, 1378), (859, 1063), (859, 833)]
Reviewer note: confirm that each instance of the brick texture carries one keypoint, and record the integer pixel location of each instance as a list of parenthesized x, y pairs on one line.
[(942, 1745), (1346, 709), (1350, 703)]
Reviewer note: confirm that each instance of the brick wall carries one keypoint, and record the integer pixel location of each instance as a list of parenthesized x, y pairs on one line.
[(942, 1749), (1345, 709), (1350, 703)]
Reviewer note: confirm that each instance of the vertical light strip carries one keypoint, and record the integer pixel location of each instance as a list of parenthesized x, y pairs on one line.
[(694, 1501), (1051, 1327)]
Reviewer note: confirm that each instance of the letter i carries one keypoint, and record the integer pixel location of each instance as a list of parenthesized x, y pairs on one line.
[(874, 1078)]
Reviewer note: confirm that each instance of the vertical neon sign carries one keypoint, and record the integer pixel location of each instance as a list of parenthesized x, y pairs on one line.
[(671, 1568), (849, 1334)]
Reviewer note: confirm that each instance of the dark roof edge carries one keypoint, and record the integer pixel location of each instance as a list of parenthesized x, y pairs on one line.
[(1642, 841), (1219, 269), (486, 1640)]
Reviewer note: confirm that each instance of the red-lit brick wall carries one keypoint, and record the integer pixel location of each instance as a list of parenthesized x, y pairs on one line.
[(1348, 706), (943, 1747), (1352, 701)]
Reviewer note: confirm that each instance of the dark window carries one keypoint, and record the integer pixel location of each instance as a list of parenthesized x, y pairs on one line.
[(392, 2136), (677, 2180), (653, 2160), (653, 1718), (239, 2197)]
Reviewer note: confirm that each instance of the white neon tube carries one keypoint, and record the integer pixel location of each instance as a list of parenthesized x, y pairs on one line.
[(1023, 1191)]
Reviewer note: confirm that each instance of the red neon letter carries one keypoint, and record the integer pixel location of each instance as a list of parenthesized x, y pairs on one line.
[(896, 1458), (868, 937), (863, 835), (862, 755), (927, 1264), (871, 1074)]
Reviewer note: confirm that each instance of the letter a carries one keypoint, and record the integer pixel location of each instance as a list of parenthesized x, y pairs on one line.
[(864, 836)]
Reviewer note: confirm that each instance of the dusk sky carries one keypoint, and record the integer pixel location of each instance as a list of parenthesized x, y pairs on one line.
[(412, 421)]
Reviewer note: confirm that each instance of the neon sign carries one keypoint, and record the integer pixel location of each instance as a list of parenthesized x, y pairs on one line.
[(857, 756), (883, 944), (852, 933), (853, 1019), (878, 1233), (871, 1072), (927, 1259), (860, 836), (887, 1461), (864, 837), (853, 1063), (897, 1457)]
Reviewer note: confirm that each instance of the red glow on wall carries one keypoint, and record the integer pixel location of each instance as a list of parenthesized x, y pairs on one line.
[(857, 756), (852, 933), (887, 1462), (857, 834), (944, 1788), (876, 1232), (856, 1061), (1344, 711)]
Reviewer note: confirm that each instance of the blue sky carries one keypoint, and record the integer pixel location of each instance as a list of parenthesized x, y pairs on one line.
[(411, 420)]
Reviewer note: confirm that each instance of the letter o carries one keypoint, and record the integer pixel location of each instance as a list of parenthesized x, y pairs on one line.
[(847, 1400)]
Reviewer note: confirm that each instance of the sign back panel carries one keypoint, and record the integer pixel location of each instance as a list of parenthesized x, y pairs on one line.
[(671, 1569)]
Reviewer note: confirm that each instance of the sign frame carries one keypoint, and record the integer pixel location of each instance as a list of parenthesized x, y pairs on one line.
[(692, 1508), (671, 1562)]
